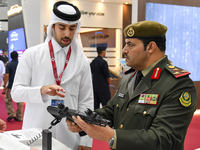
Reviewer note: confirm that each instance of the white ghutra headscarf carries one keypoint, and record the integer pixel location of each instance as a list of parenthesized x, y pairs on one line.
[(66, 13)]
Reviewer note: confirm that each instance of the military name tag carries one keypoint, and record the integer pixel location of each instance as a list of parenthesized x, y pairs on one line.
[(121, 95), (55, 102), (149, 99)]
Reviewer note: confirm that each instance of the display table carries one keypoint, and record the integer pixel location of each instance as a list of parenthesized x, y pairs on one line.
[(56, 145), (34, 136)]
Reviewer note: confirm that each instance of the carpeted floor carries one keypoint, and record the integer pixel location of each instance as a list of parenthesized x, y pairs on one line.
[(192, 140), (12, 125)]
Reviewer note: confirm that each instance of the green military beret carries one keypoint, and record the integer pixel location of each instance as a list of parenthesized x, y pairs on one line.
[(145, 29)]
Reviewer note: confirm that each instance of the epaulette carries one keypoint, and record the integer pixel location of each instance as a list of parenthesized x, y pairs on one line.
[(177, 72), (129, 71)]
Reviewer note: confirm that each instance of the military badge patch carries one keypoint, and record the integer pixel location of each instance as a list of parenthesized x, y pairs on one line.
[(130, 32), (150, 99), (185, 99)]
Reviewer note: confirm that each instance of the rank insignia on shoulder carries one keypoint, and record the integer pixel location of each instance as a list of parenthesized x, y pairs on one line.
[(156, 73), (149, 99), (177, 72), (171, 66), (185, 99), (176, 69)]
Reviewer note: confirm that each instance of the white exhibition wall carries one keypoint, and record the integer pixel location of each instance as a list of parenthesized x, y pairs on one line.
[(94, 14)]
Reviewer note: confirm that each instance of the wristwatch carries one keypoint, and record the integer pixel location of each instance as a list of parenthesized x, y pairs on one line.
[(111, 142)]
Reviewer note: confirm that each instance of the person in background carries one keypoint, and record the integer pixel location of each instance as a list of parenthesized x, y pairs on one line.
[(56, 71), (8, 82), (2, 72), (100, 78), (4, 57), (8, 143), (155, 101)]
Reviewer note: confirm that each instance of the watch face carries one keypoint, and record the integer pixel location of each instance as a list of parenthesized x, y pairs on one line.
[(111, 142)]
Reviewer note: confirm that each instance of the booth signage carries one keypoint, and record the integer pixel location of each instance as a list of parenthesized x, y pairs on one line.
[(92, 13)]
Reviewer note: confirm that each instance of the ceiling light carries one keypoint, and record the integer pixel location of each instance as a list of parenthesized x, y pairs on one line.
[(102, 0), (126, 3)]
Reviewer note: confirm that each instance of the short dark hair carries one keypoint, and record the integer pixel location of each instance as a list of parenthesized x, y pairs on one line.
[(160, 42), (101, 48), (99, 52), (14, 55)]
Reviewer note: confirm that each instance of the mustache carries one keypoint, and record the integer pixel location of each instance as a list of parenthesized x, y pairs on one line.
[(66, 38), (125, 55)]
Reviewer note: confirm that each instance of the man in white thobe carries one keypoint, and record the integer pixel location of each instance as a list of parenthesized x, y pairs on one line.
[(56, 70)]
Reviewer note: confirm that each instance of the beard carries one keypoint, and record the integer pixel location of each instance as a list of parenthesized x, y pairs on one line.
[(63, 42)]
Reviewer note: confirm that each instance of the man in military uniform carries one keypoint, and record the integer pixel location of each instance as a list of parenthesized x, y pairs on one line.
[(155, 113), (100, 78)]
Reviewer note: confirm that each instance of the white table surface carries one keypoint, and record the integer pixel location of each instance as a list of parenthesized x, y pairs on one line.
[(56, 145)]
